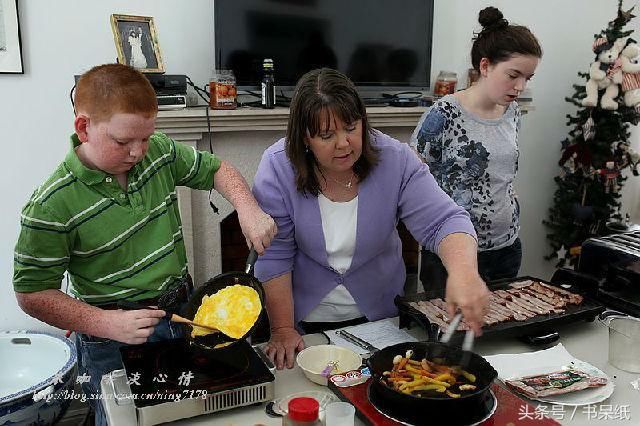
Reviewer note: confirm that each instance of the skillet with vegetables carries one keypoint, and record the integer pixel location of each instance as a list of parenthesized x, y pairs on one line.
[(427, 378)]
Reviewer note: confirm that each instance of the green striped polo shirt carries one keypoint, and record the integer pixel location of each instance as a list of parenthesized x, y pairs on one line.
[(115, 244)]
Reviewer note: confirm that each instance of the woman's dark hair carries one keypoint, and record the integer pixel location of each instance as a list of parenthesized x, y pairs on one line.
[(498, 40), (319, 95)]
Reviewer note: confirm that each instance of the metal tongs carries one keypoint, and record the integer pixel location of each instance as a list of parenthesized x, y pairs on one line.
[(467, 343)]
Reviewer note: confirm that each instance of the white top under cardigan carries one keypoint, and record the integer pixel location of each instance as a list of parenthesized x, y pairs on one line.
[(339, 223)]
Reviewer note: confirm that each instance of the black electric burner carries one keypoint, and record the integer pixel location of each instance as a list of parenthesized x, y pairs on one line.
[(421, 418), (175, 367)]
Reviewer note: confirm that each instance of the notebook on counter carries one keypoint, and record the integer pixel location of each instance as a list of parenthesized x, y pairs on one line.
[(369, 337)]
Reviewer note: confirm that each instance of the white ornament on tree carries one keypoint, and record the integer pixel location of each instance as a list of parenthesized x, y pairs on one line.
[(562, 253), (588, 129), (605, 74)]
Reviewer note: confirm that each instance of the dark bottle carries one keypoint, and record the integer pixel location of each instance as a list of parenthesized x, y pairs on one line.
[(268, 85)]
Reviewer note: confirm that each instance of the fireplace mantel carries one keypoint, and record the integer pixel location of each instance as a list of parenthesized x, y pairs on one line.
[(190, 124)]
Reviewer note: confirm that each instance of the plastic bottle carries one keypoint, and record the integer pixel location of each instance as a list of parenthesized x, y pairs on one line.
[(268, 85), (302, 412)]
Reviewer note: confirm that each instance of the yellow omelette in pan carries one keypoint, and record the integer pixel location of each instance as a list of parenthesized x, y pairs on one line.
[(232, 310)]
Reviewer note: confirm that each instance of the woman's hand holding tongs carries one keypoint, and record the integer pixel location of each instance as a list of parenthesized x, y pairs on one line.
[(469, 294), (465, 289)]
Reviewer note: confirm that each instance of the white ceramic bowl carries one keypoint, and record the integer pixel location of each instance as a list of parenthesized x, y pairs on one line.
[(37, 372), (314, 359)]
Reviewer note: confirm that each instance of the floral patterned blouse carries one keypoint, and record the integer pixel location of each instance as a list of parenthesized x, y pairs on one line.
[(475, 161)]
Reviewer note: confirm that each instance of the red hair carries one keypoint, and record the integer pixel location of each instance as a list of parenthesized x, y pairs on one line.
[(109, 89)]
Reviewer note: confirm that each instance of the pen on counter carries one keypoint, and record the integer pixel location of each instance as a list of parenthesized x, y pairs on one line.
[(357, 341)]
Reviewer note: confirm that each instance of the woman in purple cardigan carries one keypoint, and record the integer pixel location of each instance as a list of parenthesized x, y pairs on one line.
[(337, 189)]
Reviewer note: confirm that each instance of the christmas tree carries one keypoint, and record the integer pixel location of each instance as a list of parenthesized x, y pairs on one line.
[(597, 149)]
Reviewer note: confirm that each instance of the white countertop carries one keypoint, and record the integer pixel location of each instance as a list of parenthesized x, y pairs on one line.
[(586, 341)]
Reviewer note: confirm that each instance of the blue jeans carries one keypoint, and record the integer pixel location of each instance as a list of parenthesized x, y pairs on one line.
[(492, 265), (98, 356), (499, 264)]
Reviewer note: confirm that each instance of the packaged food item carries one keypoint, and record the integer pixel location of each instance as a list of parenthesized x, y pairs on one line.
[(556, 383), (445, 83), (222, 88)]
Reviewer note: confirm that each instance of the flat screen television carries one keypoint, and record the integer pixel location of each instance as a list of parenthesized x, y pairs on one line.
[(379, 44)]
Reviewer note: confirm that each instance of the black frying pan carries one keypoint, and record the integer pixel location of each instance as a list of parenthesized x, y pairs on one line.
[(436, 409), (215, 284), (214, 341)]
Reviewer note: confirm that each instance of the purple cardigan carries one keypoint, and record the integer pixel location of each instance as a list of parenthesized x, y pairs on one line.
[(400, 187)]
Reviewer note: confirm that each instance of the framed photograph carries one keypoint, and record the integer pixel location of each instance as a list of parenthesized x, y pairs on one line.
[(137, 42), (10, 45)]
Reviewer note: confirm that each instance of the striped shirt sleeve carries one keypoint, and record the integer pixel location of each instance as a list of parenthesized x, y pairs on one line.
[(41, 254), (191, 168)]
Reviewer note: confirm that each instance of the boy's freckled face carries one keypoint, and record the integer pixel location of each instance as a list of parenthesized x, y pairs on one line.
[(116, 145)]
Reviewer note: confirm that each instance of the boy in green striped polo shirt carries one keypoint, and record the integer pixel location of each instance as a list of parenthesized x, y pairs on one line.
[(108, 216)]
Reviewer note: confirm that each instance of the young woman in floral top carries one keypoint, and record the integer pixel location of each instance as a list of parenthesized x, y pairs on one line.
[(470, 142)]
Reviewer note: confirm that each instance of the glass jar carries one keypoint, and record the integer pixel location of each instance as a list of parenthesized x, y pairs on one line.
[(445, 83), (222, 89), (472, 77)]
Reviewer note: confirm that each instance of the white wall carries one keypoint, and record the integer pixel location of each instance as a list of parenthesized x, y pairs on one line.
[(67, 37), (61, 39)]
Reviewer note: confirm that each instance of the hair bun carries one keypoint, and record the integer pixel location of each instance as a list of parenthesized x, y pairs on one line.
[(491, 19)]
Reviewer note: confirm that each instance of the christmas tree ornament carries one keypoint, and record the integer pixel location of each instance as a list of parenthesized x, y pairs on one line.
[(622, 155), (630, 60), (575, 157), (610, 177), (588, 129), (605, 73)]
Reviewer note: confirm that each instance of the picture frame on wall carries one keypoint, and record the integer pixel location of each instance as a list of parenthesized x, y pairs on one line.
[(10, 42), (136, 42)]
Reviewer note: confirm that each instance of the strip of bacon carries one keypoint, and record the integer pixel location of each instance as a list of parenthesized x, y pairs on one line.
[(520, 302), (553, 305), (519, 314), (497, 307), (538, 289), (573, 298), (556, 301), (430, 311), (439, 303), (521, 284)]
